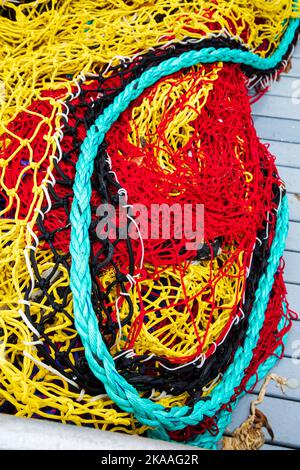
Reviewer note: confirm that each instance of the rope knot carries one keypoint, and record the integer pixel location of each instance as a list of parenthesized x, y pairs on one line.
[(249, 435)]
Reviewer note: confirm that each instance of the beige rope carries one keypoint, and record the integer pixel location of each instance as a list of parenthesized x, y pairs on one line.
[(250, 435)]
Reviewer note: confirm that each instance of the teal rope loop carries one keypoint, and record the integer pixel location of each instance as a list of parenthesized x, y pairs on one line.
[(124, 394), (98, 357)]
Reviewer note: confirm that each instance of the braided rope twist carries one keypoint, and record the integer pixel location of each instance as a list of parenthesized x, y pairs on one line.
[(98, 357), (207, 440)]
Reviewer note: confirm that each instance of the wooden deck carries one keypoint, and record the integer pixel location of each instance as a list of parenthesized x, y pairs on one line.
[(277, 120)]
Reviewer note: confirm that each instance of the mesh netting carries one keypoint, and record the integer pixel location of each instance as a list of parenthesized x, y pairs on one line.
[(62, 36), (81, 278), (47, 301), (277, 324)]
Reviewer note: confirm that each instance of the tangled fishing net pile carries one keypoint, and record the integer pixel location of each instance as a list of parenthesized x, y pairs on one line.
[(124, 104)]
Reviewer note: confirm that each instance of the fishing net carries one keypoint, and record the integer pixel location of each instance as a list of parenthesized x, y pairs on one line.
[(172, 320), (62, 36)]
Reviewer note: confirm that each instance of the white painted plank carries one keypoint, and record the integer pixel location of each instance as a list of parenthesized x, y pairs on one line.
[(293, 239), (295, 70), (292, 267), (294, 206), (42, 434), (284, 87), (277, 106), (291, 177), (293, 296), (286, 154), (283, 416), (292, 348), (283, 130), (289, 369)]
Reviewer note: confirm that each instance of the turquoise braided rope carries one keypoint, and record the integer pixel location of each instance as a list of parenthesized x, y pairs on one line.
[(126, 397)]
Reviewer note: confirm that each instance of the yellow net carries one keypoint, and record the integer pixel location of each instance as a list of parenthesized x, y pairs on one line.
[(170, 297), (164, 103), (46, 40)]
